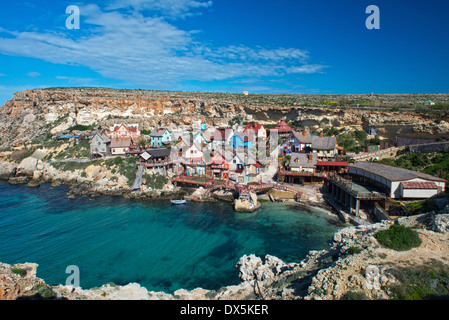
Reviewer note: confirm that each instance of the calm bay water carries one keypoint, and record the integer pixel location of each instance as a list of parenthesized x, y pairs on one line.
[(158, 245)]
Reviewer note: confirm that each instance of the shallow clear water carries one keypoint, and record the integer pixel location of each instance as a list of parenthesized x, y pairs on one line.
[(158, 245)]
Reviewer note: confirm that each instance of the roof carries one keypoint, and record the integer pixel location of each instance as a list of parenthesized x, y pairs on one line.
[(255, 127), (145, 156), (222, 134), (120, 142), (324, 143), (304, 136), (217, 159), (103, 136), (197, 146), (282, 127), (129, 127), (393, 173), (158, 132), (306, 160), (199, 134), (159, 153), (332, 163), (419, 185)]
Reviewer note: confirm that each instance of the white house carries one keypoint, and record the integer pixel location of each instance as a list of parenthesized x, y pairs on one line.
[(398, 183), (194, 153)]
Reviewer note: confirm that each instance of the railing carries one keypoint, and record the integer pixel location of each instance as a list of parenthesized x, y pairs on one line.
[(349, 187), (220, 184), (302, 173)]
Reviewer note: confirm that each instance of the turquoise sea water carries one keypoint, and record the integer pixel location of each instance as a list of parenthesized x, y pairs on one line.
[(158, 245)]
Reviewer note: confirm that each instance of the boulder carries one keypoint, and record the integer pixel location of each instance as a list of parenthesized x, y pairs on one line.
[(27, 167), (441, 223), (7, 170), (19, 180), (247, 265)]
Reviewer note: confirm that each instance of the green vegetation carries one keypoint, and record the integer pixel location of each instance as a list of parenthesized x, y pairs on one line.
[(44, 292), (422, 206), (399, 238), (234, 121), (436, 164), (355, 141), (155, 181), (426, 282), (76, 149), (124, 167), (80, 127), (354, 296), (73, 165), (19, 272), (18, 156), (354, 250)]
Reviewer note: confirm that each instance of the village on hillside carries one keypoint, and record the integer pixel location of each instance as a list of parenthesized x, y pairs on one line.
[(250, 159)]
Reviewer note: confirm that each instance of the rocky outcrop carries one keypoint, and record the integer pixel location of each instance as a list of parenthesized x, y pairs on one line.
[(7, 170), (32, 112)]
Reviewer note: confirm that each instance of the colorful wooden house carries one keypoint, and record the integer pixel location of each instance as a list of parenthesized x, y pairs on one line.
[(219, 166), (123, 130), (258, 131), (325, 147), (282, 129), (120, 146), (297, 142), (241, 140), (160, 137), (100, 145), (194, 153)]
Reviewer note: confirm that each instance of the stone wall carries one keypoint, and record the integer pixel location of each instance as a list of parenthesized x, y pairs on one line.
[(429, 148)]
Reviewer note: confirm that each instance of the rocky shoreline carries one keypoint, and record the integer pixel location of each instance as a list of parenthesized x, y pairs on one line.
[(92, 181), (355, 263)]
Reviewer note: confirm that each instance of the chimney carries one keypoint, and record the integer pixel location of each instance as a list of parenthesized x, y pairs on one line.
[(304, 133), (322, 135)]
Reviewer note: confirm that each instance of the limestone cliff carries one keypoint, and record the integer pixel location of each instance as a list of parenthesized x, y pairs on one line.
[(32, 112)]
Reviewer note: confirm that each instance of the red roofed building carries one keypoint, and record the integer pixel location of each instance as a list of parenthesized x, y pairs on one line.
[(282, 129), (124, 131)]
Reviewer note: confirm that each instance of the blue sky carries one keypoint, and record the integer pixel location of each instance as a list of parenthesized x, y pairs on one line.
[(263, 46)]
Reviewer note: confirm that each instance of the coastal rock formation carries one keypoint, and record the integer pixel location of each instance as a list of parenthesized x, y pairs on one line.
[(27, 167), (7, 170), (32, 112)]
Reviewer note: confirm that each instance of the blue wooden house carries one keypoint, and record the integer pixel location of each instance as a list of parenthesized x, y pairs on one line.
[(240, 140), (160, 137)]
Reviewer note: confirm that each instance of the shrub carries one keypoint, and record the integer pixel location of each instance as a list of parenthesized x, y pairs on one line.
[(354, 250), (20, 272), (425, 282), (399, 238)]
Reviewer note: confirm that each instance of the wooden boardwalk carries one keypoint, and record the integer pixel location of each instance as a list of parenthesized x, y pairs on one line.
[(212, 185)]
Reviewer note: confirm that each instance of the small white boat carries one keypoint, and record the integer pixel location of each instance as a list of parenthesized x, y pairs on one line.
[(178, 201)]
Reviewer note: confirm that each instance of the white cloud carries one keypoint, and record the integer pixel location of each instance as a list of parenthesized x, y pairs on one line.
[(33, 74), (76, 80), (150, 51), (171, 8)]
